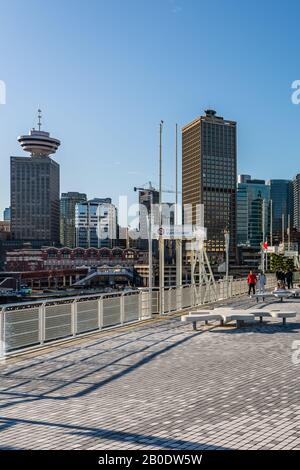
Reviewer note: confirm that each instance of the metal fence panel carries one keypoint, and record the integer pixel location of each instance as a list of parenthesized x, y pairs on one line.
[(155, 301), (111, 311), (131, 307), (29, 324), (21, 328), (173, 299), (58, 321), (87, 316), (166, 301), (187, 297)]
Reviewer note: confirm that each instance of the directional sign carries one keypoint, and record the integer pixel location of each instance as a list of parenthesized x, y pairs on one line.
[(181, 232)]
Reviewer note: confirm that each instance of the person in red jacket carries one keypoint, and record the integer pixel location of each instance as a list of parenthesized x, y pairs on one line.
[(251, 282)]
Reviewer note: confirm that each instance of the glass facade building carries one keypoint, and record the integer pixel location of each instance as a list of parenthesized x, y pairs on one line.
[(296, 199), (282, 205), (209, 156), (35, 199), (7, 214), (253, 213), (68, 202), (95, 223)]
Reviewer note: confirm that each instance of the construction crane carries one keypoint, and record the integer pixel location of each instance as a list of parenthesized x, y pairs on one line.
[(151, 188)]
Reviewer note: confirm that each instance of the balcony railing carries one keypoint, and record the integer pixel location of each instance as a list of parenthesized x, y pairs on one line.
[(34, 324)]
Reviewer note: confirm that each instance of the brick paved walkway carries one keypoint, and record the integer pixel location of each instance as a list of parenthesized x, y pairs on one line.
[(158, 386)]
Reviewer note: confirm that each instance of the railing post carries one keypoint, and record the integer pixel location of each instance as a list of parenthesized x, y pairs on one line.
[(122, 309), (179, 298), (42, 332), (2, 334), (74, 317), (100, 313), (194, 302), (141, 305)]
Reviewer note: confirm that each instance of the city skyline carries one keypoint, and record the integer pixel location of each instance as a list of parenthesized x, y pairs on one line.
[(120, 112)]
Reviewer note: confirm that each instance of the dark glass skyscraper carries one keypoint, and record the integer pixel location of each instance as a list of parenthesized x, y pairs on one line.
[(209, 176), (296, 199), (35, 190), (253, 212), (68, 202), (282, 205)]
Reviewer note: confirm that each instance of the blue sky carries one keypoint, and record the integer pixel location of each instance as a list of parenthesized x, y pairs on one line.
[(106, 72)]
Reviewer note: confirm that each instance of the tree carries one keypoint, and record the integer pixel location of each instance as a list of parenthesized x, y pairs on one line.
[(281, 263)]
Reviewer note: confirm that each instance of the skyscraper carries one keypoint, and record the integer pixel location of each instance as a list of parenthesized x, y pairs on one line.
[(35, 189), (68, 202), (296, 200), (209, 158), (253, 213), (95, 223), (147, 198), (7, 214), (282, 206)]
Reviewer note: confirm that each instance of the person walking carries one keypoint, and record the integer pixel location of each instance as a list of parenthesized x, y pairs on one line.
[(289, 279), (261, 282), (251, 279)]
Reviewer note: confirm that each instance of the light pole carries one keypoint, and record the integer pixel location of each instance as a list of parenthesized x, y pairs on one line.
[(178, 242), (263, 236), (161, 240), (150, 256)]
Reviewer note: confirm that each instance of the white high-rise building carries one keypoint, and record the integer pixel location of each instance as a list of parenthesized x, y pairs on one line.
[(95, 223)]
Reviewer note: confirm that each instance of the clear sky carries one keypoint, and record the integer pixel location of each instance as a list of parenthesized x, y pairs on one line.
[(106, 72)]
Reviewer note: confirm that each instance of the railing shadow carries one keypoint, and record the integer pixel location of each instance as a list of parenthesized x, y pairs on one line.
[(117, 436), (115, 376)]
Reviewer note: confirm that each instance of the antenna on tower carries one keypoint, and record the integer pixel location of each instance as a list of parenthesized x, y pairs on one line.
[(39, 118)]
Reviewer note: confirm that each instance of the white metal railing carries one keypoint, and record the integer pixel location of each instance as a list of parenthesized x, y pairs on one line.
[(32, 324)]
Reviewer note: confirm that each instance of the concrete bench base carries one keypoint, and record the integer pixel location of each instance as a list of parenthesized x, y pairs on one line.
[(261, 295), (283, 315), (226, 315), (194, 317)]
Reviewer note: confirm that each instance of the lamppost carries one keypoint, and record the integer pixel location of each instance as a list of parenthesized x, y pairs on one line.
[(150, 260), (161, 239)]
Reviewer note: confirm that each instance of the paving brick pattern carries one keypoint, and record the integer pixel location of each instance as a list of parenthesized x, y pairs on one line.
[(158, 386)]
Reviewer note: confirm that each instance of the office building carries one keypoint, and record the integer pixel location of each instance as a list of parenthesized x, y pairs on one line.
[(209, 156), (68, 202), (35, 189), (253, 213), (95, 223), (7, 214), (281, 193), (147, 198), (296, 201), (243, 178)]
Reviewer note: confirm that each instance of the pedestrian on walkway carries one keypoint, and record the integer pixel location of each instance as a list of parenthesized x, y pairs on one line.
[(289, 279), (251, 282), (261, 282)]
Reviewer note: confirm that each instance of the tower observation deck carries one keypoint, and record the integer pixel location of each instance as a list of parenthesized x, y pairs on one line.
[(37, 142)]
